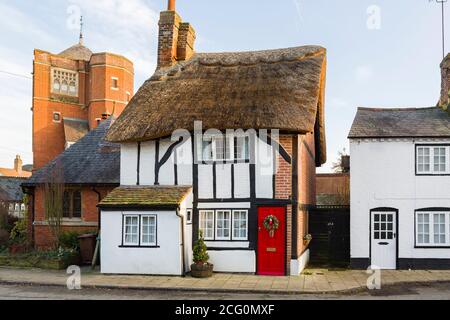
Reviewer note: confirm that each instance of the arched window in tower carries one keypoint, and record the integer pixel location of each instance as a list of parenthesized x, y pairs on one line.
[(65, 82), (72, 88), (64, 87), (56, 86)]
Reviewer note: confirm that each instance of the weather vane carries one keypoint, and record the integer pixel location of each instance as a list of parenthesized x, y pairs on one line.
[(442, 2), (81, 29)]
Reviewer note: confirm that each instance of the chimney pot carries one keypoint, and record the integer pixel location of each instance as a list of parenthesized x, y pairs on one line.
[(171, 5), (18, 165)]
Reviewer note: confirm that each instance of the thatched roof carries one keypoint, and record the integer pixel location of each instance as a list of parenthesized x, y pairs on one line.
[(276, 89), (401, 123)]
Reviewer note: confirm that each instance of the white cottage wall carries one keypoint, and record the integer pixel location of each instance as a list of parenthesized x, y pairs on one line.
[(383, 175)]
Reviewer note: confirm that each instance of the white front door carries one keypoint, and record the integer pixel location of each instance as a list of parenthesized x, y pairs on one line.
[(384, 240)]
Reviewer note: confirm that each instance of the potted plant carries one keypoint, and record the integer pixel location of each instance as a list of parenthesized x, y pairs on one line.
[(307, 239), (201, 268)]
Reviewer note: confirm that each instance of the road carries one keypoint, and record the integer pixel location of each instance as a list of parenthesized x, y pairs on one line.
[(14, 292)]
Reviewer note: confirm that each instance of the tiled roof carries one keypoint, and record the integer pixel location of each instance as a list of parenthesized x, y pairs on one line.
[(4, 172), (77, 52), (10, 189), (401, 123), (91, 160), (75, 129), (145, 196)]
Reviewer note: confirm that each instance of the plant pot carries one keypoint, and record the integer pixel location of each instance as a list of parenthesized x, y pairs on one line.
[(202, 270), (306, 242)]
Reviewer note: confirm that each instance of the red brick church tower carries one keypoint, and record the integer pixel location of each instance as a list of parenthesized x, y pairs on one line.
[(72, 92)]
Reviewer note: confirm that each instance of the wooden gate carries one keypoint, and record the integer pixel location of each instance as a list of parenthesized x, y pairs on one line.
[(330, 229)]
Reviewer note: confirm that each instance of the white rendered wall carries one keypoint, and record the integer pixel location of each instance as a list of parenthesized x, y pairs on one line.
[(128, 164), (264, 170), (298, 265), (147, 170), (165, 260), (242, 181), (233, 261), (383, 175), (223, 181)]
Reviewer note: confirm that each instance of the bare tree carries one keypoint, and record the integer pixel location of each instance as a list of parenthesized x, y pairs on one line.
[(53, 203), (338, 165)]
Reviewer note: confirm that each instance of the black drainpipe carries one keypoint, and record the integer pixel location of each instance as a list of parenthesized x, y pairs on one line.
[(182, 241), (98, 209)]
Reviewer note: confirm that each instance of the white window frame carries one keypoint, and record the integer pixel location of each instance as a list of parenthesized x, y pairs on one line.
[(149, 244), (125, 230), (233, 225), (201, 218), (60, 117), (216, 229), (246, 150), (64, 76), (432, 148), (432, 216)]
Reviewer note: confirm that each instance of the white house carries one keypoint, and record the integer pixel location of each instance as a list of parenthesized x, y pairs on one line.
[(400, 188), (220, 143)]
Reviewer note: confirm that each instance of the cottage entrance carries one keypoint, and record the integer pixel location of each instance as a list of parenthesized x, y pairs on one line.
[(384, 239), (271, 241)]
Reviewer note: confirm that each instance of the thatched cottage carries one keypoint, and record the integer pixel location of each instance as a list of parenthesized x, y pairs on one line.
[(223, 143)]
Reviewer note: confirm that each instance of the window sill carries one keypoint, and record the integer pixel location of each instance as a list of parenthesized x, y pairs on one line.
[(432, 247), (139, 247)]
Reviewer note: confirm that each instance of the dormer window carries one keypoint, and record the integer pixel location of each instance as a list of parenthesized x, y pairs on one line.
[(226, 148), (64, 82), (433, 160)]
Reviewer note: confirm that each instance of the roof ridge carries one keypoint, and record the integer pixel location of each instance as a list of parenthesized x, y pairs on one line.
[(395, 109)]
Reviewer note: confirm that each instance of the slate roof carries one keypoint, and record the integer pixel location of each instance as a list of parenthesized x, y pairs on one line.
[(145, 196), (10, 189), (75, 129), (92, 160), (401, 123), (272, 89)]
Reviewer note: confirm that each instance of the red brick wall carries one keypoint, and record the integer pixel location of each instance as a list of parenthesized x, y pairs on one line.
[(89, 213), (95, 97)]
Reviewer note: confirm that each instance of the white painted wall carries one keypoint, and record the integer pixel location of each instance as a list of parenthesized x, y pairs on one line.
[(166, 260), (233, 261), (223, 181), (242, 181), (128, 164), (264, 170), (167, 171), (383, 175), (298, 265), (147, 170), (205, 181)]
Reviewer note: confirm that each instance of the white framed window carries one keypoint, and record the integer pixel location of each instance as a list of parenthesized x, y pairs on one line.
[(223, 225), (206, 224), (57, 117), (242, 148), (240, 224), (148, 230), (225, 148), (131, 230), (433, 229), (433, 160)]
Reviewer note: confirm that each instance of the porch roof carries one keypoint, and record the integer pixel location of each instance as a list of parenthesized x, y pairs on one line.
[(145, 196)]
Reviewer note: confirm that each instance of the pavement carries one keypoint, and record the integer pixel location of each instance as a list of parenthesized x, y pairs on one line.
[(312, 281)]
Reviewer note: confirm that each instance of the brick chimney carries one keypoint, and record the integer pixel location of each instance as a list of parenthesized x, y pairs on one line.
[(445, 88), (18, 165), (176, 38)]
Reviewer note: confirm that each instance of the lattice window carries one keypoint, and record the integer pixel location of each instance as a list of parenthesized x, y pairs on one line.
[(65, 82)]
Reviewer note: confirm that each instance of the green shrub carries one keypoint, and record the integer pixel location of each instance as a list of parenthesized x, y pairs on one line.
[(19, 232), (200, 251), (4, 238)]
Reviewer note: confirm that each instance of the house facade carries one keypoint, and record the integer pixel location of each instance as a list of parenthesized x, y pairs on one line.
[(223, 143), (88, 170), (400, 182)]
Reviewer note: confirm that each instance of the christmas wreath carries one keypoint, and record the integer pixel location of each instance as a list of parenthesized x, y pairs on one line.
[(271, 224)]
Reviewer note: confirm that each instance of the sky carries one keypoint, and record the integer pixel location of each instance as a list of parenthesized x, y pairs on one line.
[(383, 53)]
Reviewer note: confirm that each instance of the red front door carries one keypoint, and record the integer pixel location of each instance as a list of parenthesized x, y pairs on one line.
[(271, 247)]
